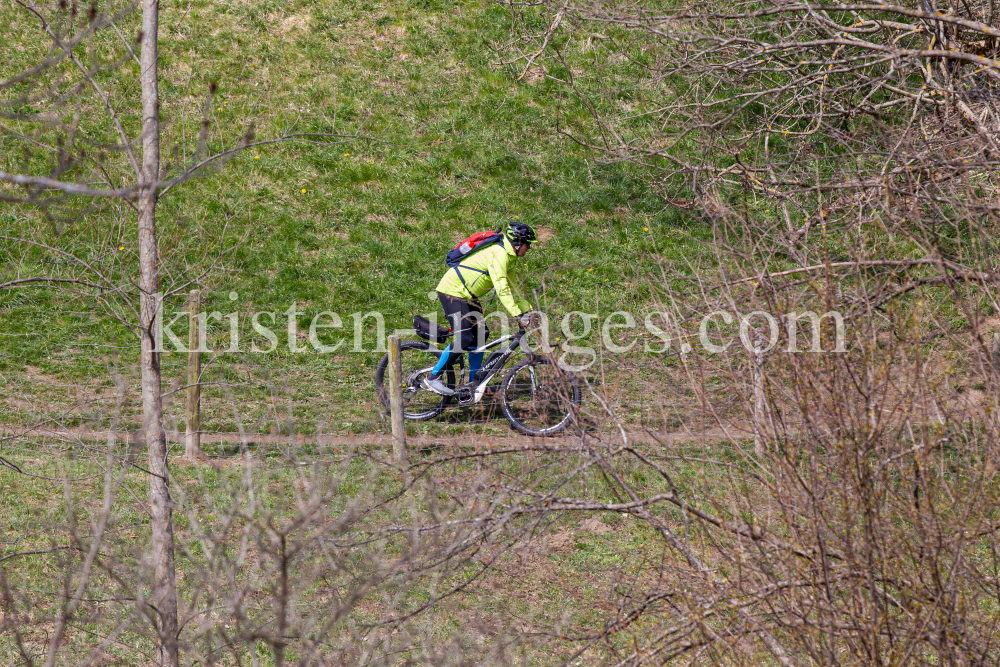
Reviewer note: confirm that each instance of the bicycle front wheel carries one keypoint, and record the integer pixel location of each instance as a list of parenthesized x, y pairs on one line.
[(417, 359), (539, 398)]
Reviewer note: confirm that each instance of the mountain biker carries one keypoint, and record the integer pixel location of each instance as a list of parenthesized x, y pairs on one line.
[(483, 269)]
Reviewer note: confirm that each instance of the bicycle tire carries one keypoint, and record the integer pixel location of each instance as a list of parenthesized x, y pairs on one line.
[(428, 410), (567, 392)]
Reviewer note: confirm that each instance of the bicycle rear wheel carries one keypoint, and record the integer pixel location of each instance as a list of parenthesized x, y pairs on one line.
[(539, 398), (418, 358)]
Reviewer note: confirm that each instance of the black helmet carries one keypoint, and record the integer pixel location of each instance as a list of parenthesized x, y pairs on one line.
[(519, 233)]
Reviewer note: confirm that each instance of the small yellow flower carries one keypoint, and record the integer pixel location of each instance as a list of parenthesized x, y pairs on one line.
[(605, 280), (219, 109), (225, 103), (590, 269), (645, 229), (121, 247), (303, 190), (347, 155), (256, 157)]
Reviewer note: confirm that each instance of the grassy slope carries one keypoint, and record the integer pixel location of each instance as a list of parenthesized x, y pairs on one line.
[(458, 146)]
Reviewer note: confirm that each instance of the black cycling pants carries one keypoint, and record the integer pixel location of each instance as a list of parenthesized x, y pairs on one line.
[(466, 320)]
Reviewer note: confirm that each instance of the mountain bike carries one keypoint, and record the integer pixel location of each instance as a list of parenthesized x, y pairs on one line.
[(536, 396)]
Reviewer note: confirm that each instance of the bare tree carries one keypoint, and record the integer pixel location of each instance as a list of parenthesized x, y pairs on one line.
[(797, 114), (165, 594), (837, 157), (78, 135)]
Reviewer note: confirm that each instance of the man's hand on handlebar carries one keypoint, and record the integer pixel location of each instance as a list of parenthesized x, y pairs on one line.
[(527, 320)]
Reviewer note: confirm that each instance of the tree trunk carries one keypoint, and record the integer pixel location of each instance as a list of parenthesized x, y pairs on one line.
[(164, 586), (759, 397)]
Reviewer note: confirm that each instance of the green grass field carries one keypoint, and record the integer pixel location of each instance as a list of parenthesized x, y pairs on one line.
[(452, 145), (448, 143), (562, 570)]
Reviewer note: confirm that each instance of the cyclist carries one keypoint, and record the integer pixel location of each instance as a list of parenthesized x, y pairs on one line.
[(459, 291)]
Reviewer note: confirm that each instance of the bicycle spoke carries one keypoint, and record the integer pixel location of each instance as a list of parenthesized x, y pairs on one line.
[(417, 361), (539, 397)]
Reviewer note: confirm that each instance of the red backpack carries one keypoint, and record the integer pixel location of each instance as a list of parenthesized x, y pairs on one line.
[(477, 241)]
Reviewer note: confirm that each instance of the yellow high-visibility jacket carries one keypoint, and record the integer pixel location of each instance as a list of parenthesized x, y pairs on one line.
[(483, 270)]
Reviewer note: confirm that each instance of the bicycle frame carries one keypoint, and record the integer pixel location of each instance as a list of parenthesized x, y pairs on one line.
[(494, 366)]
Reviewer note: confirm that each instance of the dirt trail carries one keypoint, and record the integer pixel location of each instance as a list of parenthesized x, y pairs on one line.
[(8, 433)]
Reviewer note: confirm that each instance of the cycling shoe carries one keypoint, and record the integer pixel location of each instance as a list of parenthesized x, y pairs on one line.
[(438, 387)]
